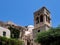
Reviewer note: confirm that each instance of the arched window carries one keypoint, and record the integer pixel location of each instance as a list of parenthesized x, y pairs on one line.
[(41, 18), (37, 20)]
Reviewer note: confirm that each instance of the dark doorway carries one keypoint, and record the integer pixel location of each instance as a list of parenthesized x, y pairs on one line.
[(28, 43)]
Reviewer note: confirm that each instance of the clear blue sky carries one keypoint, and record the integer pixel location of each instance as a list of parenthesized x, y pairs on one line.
[(21, 11)]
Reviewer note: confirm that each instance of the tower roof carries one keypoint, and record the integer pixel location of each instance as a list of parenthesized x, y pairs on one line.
[(45, 8), (42, 9)]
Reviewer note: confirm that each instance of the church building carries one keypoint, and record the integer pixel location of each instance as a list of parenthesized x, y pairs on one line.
[(42, 22)]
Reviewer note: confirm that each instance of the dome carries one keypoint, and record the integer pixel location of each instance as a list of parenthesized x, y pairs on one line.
[(30, 26)]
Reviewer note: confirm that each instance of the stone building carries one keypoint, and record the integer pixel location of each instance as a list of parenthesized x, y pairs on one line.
[(28, 36), (28, 33), (41, 23), (7, 25)]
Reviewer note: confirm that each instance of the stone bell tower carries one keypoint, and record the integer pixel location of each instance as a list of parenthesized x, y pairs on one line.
[(41, 20)]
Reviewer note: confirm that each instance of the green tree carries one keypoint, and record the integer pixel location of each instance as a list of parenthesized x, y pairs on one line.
[(50, 37)]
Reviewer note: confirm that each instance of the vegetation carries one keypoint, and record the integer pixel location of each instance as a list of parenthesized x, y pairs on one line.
[(14, 32), (6, 41), (50, 37)]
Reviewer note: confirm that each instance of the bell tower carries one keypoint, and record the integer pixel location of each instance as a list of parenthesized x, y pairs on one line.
[(42, 19)]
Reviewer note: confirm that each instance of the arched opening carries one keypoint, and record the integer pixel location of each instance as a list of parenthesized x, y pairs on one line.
[(47, 19), (41, 18), (37, 20)]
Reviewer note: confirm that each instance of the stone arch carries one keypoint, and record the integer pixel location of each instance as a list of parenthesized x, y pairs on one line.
[(41, 18), (37, 20)]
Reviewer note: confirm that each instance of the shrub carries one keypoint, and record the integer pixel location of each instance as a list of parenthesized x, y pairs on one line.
[(6, 41)]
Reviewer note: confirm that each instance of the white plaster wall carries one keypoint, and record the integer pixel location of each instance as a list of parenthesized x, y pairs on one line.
[(28, 34), (6, 30)]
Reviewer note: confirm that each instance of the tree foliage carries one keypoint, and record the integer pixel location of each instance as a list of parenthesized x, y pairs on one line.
[(7, 41), (14, 32), (50, 37)]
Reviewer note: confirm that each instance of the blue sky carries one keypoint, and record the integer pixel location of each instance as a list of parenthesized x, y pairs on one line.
[(21, 11)]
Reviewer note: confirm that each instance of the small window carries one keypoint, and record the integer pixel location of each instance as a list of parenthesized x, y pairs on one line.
[(4, 33), (38, 30)]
